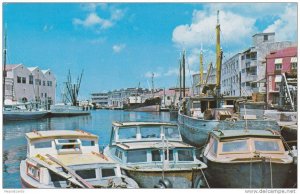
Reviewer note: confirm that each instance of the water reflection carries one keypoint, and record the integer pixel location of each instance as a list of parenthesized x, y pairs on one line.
[(99, 123)]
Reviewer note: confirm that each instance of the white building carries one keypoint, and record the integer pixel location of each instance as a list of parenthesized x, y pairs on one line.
[(245, 72), (100, 99), (31, 84), (230, 76)]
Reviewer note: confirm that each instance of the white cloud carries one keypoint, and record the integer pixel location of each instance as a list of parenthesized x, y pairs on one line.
[(155, 74), (47, 28), (94, 20), (172, 72), (118, 47), (285, 27), (202, 29)]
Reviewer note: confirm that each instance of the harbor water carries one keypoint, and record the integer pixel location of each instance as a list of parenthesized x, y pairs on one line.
[(99, 123)]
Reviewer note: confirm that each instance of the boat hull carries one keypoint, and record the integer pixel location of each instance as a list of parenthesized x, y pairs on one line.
[(151, 108), (237, 175), (69, 114), (26, 115), (178, 179), (195, 131)]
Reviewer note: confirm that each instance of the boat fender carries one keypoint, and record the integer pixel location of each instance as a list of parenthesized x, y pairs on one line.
[(166, 183)]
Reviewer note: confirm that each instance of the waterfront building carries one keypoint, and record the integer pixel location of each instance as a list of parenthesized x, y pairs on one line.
[(100, 99), (245, 73), (196, 87), (253, 62), (171, 96), (278, 62), (230, 79), (31, 84)]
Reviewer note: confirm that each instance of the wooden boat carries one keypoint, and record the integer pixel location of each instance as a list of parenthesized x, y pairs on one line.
[(68, 110), (21, 112), (247, 159), (152, 153), (69, 159)]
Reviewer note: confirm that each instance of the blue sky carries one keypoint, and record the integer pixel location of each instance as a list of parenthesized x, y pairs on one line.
[(119, 45)]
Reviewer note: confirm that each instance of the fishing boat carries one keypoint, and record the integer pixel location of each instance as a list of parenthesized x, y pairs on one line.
[(200, 114), (69, 106), (154, 155), (69, 159), (24, 111), (64, 110), (247, 159)]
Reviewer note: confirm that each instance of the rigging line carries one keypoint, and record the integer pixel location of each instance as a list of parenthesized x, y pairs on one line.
[(271, 172), (250, 173)]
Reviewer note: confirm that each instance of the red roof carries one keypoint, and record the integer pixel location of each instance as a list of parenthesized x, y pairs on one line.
[(287, 52)]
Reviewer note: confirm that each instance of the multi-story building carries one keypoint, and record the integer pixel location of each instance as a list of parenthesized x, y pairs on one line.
[(253, 62), (230, 77), (278, 62), (196, 87), (100, 99), (244, 73), (31, 84)]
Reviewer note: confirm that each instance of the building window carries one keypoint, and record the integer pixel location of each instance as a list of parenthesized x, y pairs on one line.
[(243, 70), (243, 57), (278, 66), (44, 83), (24, 80), (266, 37), (42, 95), (247, 83), (45, 95), (30, 79), (50, 83), (253, 55), (18, 79), (294, 66), (37, 82)]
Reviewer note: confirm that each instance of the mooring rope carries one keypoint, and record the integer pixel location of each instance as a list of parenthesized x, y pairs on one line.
[(205, 178), (250, 173), (271, 172)]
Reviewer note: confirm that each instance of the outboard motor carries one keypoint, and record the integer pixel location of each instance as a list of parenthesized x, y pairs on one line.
[(163, 183)]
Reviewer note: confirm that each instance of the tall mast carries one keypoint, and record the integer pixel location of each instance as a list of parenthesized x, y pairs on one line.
[(152, 89), (180, 79), (201, 67), (183, 69), (4, 66), (218, 59)]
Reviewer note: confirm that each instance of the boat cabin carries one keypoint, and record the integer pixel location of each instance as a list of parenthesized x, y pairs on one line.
[(141, 142), (77, 150), (61, 142), (237, 145), (143, 132)]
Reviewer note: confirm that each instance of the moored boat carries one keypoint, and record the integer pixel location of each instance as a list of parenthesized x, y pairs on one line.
[(69, 159), (247, 159), (153, 153), (22, 112), (62, 110)]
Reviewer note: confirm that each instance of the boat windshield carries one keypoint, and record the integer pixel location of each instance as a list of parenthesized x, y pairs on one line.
[(150, 132), (235, 146), (172, 133), (127, 132), (185, 155), (137, 156), (261, 145)]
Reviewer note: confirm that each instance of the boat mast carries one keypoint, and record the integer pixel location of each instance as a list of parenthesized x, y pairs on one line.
[(218, 61), (201, 67), (180, 79), (183, 69), (152, 89), (4, 66)]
